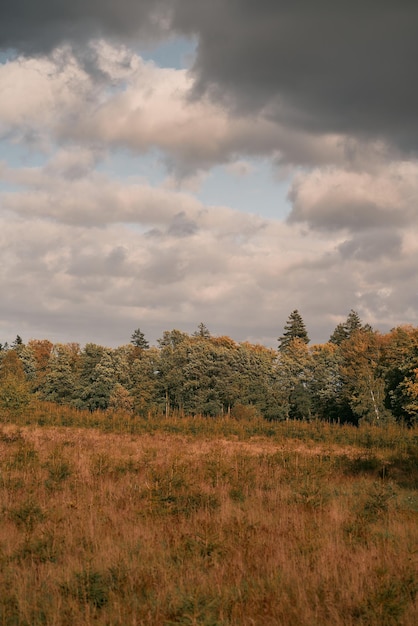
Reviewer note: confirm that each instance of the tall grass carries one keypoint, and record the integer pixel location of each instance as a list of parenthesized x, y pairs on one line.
[(192, 521), (392, 436)]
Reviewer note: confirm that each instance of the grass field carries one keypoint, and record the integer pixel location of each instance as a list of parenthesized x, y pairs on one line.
[(208, 522)]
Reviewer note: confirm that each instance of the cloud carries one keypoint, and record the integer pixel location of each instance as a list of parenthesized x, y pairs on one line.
[(206, 262), (39, 27), (240, 168), (323, 67), (140, 107), (372, 246), (58, 87), (161, 258), (241, 274), (332, 199), (327, 93), (93, 200)]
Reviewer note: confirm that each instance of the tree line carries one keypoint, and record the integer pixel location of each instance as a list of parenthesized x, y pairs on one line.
[(359, 375)]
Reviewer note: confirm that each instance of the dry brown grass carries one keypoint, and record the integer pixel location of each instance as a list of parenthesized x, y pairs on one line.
[(159, 529)]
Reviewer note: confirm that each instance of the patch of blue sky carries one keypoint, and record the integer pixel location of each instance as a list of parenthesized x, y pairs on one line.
[(7, 55), (177, 53), (128, 166), (255, 190), (16, 156), (8, 187), (250, 187)]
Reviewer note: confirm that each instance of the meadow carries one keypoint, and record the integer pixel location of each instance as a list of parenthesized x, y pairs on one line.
[(114, 520)]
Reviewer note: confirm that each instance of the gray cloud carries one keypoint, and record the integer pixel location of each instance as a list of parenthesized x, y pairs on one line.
[(70, 283), (88, 257), (37, 27), (323, 67), (371, 246), (182, 226), (335, 199)]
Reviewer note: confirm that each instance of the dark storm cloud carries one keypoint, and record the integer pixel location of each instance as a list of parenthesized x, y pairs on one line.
[(324, 66), (34, 27)]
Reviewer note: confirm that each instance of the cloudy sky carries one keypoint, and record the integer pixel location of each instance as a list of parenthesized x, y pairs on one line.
[(167, 162)]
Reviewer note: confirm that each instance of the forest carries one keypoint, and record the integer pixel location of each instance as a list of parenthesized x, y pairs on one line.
[(358, 376)]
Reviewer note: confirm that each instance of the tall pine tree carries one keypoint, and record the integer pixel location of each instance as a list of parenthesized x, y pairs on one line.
[(138, 339), (345, 330), (294, 329)]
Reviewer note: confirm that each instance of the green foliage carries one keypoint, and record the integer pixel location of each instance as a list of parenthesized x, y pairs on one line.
[(401, 373), (102, 371), (25, 456), (89, 587), (15, 395), (27, 515), (346, 329), (358, 377), (59, 469), (386, 604), (120, 399), (62, 376), (145, 377), (363, 384), (138, 340), (294, 329), (202, 331), (17, 343), (293, 378)]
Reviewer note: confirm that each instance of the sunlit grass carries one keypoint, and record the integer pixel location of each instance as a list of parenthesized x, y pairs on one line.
[(392, 436), (114, 520)]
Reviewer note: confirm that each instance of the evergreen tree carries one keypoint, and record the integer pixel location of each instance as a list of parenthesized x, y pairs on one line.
[(17, 342), (174, 353), (339, 335), (326, 384), (145, 383), (102, 382), (345, 330), (172, 338), (294, 373), (294, 329), (353, 322), (138, 339), (202, 331), (62, 376)]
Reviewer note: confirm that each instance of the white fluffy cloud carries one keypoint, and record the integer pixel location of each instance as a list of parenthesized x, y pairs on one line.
[(74, 262), (130, 103), (356, 200), (36, 93), (87, 255)]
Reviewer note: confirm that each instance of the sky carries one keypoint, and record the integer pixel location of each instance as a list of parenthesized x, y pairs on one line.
[(170, 162)]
